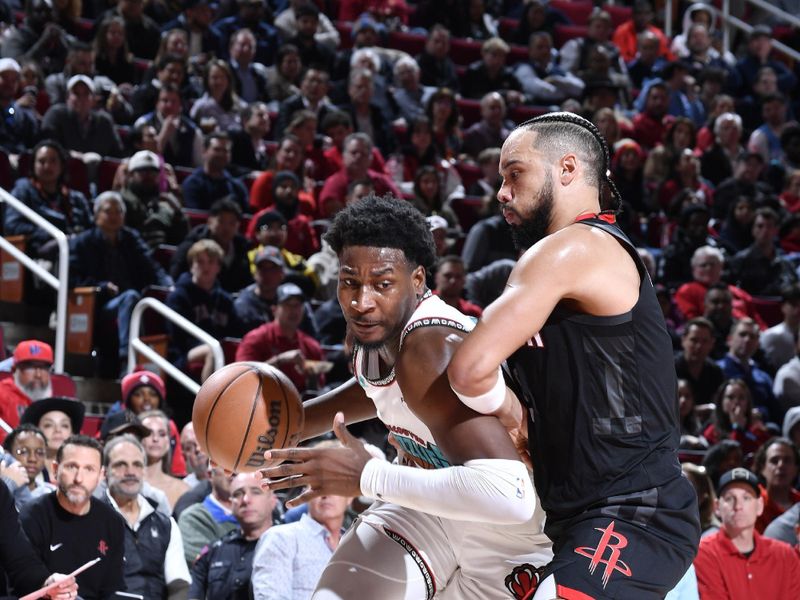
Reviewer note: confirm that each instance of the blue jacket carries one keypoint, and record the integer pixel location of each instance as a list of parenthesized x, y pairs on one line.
[(201, 191), (74, 216), (87, 261)]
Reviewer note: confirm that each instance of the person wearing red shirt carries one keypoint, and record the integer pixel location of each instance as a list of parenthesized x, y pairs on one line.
[(356, 159), (280, 342), (30, 381), (301, 238), (288, 157), (649, 125), (450, 278), (737, 563), (627, 34)]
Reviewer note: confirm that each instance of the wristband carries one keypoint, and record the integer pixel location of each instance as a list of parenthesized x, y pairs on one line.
[(489, 402)]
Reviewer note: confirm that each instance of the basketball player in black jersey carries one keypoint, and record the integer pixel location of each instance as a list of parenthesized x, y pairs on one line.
[(591, 359)]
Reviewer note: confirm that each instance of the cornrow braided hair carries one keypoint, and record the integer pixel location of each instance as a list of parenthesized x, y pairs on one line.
[(604, 173)]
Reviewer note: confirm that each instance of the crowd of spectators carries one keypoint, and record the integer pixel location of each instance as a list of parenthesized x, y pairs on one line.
[(195, 151)]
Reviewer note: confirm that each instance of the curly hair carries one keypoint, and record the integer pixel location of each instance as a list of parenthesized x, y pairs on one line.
[(384, 222)]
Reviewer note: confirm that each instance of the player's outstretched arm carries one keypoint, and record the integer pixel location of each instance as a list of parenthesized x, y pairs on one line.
[(349, 398)]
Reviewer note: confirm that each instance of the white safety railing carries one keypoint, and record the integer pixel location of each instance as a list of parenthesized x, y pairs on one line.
[(60, 284), (727, 20), (137, 345)]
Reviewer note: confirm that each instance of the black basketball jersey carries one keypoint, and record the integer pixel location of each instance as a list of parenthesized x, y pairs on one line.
[(601, 392)]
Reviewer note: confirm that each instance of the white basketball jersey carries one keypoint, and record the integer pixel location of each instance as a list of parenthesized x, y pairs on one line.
[(409, 431)]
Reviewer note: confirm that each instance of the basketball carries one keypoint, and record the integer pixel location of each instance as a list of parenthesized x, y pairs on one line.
[(243, 410)]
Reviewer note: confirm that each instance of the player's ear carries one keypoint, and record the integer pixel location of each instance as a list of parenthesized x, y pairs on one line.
[(568, 167), (418, 279)]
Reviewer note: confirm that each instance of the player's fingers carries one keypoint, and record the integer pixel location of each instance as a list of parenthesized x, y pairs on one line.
[(284, 470), (308, 494), (285, 483), (290, 454), (340, 430)]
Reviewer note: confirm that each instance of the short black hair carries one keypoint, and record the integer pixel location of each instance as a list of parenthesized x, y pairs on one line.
[(79, 440), (225, 204), (8, 443), (384, 222)]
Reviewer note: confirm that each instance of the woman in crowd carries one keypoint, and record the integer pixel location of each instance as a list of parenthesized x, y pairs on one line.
[(112, 56), (721, 458), (46, 192), (706, 498), (159, 456), (733, 418), (429, 196), (57, 418), (219, 107), (442, 111)]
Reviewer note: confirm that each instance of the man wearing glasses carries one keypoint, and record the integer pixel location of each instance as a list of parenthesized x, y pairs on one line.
[(30, 381)]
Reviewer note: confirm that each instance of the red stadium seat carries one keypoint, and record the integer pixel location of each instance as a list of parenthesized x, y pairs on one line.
[(464, 52), (564, 33), (6, 178), (106, 172), (577, 12), (619, 14), (410, 43), (196, 217), (470, 111), (469, 172), (468, 210)]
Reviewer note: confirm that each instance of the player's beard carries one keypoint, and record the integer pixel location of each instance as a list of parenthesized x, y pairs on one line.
[(34, 390), (534, 227)]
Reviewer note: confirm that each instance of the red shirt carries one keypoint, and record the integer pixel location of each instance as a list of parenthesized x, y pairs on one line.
[(626, 37), (750, 440), (334, 162), (301, 238), (467, 307), (772, 571), (647, 131), (268, 340), (13, 402), (261, 195), (772, 510), (335, 190), (690, 299)]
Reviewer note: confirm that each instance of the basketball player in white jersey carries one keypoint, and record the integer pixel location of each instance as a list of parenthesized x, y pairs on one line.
[(459, 518)]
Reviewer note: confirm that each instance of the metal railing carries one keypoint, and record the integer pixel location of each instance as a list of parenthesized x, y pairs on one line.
[(728, 21), (136, 344), (60, 284)]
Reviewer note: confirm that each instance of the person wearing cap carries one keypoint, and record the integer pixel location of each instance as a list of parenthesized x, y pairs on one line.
[(30, 381), (737, 562), (39, 37), (154, 563), (58, 418), (199, 297), (223, 228), (759, 48), (155, 214), (46, 192), (19, 127), (282, 344), (212, 181), (78, 125), (251, 15)]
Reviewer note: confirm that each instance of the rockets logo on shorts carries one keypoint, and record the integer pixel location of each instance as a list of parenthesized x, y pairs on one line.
[(523, 581), (535, 342), (612, 542)]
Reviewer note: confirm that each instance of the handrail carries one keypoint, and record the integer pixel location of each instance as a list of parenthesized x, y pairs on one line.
[(728, 20), (135, 343), (61, 284)]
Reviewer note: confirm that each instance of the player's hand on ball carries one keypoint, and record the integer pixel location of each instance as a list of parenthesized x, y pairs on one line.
[(322, 471)]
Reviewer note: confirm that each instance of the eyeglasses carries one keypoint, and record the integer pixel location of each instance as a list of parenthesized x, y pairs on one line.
[(39, 452)]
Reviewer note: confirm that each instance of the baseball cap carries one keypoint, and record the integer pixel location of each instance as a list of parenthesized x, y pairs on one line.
[(739, 475), (122, 422), (287, 291), (33, 350), (144, 159), (137, 379), (436, 222), (9, 64), (71, 407), (270, 253), (84, 79)]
